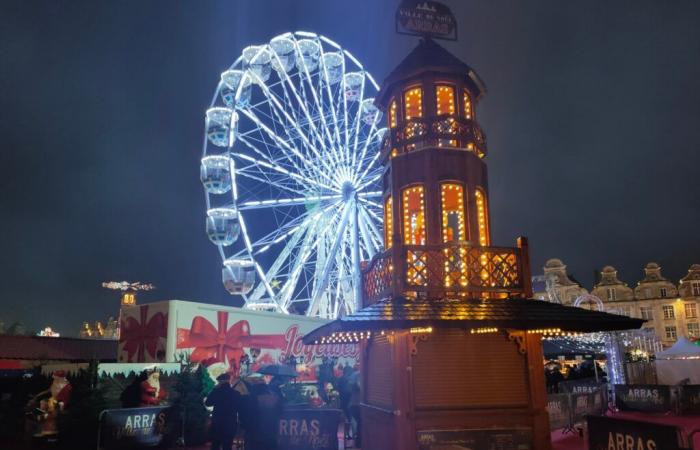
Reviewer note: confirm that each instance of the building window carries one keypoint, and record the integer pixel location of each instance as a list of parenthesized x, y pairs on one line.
[(612, 294), (392, 114), (663, 292), (453, 224), (695, 287), (694, 329), (691, 311), (482, 217), (388, 222), (413, 103), (647, 293), (647, 312), (668, 312), (413, 216), (671, 333), (467, 104), (626, 311), (445, 99)]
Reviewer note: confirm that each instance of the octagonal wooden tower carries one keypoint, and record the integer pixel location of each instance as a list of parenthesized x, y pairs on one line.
[(451, 347)]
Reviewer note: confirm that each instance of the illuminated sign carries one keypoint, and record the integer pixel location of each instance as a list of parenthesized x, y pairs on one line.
[(426, 18)]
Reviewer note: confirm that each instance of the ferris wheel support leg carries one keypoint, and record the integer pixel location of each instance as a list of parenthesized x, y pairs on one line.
[(371, 246), (323, 281), (356, 275)]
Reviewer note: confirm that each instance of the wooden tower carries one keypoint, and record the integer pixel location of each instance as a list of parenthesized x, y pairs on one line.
[(450, 343)]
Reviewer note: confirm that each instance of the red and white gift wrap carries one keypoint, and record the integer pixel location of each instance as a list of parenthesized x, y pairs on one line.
[(219, 335)]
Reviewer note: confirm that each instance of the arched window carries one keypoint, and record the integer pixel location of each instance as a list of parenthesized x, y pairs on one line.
[(392, 114), (413, 216), (467, 104), (452, 203), (413, 103), (388, 222), (445, 99), (482, 217)]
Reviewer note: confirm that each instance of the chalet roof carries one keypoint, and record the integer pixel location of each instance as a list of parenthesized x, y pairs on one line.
[(429, 56), (57, 348), (519, 314)]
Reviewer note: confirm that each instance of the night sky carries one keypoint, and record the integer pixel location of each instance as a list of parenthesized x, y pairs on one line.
[(592, 118)]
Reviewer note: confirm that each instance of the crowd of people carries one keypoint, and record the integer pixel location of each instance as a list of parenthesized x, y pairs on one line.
[(258, 413), (555, 373)]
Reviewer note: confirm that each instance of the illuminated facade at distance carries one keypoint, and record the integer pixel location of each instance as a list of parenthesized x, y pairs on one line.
[(671, 310), (448, 337)]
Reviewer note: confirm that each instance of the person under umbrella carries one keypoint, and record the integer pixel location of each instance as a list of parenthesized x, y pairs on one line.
[(227, 403)]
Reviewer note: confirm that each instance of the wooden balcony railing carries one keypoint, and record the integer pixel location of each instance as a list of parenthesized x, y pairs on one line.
[(445, 130), (451, 269)]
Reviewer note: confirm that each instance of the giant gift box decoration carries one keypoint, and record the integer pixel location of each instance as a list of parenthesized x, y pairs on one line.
[(221, 337)]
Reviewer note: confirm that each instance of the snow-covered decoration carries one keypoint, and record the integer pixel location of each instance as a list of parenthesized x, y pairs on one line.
[(126, 285), (292, 146), (112, 369)]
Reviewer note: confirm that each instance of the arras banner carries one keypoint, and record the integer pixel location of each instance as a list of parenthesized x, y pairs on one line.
[(221, 338), (605, 433), (643, 397), (132, 428), (559, 410)]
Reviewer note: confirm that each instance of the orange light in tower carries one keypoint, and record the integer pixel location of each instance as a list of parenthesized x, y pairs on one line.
[(392, 114), (482, 217), (445, 99), (453, 225), (467, 103), (413, 216), (413, 103), (388, 222)]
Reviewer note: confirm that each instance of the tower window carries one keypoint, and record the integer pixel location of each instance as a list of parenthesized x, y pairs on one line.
[(445, 99), (392, 114), (453, 225), (388, 222), (482, 217), (467, 104), (413, 103), (413, 216)]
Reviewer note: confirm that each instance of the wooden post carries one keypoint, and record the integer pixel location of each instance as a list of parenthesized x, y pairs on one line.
[(542, 439), (525, 266)]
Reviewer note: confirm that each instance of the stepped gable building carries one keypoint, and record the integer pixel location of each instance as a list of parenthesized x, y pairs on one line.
[(671, 311), (556, 285), (450, 339)]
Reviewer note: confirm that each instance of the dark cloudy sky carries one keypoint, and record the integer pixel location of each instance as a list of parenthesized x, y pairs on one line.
[(592, 116)]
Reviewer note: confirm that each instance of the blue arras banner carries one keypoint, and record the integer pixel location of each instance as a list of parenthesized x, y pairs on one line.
[(131, 428), (605, 433), (309, 429)]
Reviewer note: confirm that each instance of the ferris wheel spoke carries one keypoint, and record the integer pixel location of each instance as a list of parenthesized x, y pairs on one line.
[(305, 181), (289, 86), (281, 142), (284, 255), (322, 282), (378, 237), (317, 103), (369, 243), (277, 109), (373, 132)]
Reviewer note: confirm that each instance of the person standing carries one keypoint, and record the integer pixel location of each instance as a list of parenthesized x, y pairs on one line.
[(227, 403), (267, 404)]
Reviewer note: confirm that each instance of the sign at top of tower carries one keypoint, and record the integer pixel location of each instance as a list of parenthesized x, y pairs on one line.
[(426, 18)]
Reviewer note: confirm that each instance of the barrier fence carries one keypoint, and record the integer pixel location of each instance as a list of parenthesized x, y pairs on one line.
[(658, 398), (568, 409)]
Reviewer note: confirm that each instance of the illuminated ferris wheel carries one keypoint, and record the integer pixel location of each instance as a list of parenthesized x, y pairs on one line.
[(291, 174)]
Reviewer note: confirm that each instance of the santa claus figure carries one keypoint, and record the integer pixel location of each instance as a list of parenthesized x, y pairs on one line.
[(152, 394), (59, 395)]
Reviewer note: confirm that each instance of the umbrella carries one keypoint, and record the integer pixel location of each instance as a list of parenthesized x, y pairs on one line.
[(278, 370)]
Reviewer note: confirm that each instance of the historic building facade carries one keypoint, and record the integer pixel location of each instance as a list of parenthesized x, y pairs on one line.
[(671, 310)]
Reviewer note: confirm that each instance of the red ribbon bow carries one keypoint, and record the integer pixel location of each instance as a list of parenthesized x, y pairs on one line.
[(222, 343), (141, 336)]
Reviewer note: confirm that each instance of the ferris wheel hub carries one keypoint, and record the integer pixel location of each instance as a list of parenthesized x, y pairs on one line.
[(348, 190)]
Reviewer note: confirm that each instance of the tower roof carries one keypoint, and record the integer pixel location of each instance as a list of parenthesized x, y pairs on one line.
[(429, 56)]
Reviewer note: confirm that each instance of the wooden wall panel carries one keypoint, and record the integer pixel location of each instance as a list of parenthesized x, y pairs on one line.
[(380, 383), (454, 369)]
